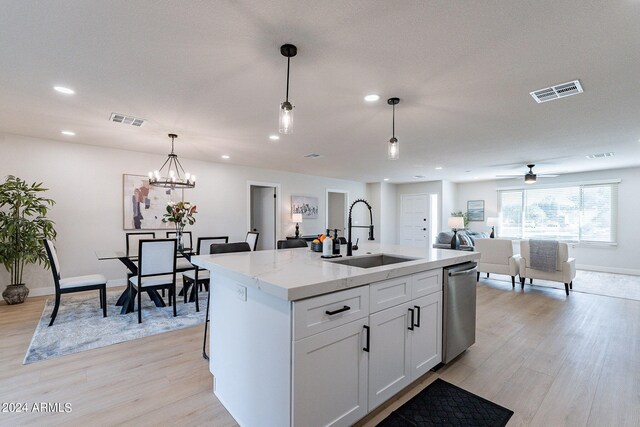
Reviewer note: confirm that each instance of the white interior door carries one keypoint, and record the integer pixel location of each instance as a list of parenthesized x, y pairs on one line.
[(414, 220), (337, 201), (263, 215)]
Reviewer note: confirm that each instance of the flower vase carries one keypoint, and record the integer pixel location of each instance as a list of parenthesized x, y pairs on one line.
[(179, 238)]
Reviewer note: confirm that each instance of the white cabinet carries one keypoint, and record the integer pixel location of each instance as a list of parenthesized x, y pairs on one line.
[(355, 349), (330, 376), (426, 336), (389, 356)]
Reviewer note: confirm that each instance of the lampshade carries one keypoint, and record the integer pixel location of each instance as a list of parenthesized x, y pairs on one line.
[(296, 217), (456, 222), (492, 221)]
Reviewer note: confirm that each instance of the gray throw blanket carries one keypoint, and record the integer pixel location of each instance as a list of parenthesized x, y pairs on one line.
[(544, 254)]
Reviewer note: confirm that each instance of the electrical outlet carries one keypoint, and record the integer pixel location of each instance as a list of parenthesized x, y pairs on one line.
[(241, 292)]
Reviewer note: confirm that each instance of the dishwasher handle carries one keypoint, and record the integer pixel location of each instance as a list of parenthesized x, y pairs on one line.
[(458, 273)]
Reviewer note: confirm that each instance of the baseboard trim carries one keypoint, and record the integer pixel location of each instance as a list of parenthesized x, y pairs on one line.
[(602, 269), (38, 292)]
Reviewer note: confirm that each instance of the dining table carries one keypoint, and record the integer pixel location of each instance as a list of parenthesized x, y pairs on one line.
[(127, 298)]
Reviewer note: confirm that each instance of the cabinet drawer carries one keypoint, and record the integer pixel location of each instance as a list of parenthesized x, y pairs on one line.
[(312, 315), (426, 283), (388, 293)]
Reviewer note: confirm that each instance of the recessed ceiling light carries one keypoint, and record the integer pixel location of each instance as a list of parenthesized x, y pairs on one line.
[(438, 168), (372, 97), (225, 156), (274, 137), (68, 133), (475, 177), (386, 179), (64, 90)]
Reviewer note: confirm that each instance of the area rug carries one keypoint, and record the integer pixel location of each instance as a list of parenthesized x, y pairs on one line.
[(588, 282), (80, 326), (444, 404)]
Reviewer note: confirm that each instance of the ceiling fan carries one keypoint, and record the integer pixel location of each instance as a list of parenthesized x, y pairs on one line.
[(529, 177)]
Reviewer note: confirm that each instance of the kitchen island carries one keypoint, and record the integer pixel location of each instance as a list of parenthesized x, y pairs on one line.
[(301, 341)]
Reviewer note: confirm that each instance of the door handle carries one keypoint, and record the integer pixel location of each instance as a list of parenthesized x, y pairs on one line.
[(367, 346), (412, 319), (424, 229), (417, 307)]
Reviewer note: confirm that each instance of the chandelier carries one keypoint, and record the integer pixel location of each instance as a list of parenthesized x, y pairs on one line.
[(174, 176)]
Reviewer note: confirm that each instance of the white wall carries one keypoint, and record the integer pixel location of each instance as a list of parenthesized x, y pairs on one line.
[(480, 190), (388, 216), (86, 183), (622, 258), (448, 201)]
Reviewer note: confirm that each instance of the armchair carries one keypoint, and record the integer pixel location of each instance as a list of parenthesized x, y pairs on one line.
[(496, 256), (565, 267)]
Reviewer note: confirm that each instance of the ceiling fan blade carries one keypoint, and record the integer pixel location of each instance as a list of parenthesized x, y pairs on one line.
[(541, 175), (509, 176)]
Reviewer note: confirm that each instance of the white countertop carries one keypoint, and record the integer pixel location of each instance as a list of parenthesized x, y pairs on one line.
[(293, 274)]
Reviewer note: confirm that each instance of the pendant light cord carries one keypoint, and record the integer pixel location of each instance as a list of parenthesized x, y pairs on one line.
[(288, 64), (393, 122)]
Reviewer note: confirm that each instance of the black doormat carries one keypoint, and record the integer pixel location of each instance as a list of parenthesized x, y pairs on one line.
[(444, 404)]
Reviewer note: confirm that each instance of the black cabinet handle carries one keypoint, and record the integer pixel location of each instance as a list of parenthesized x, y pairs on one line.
[(340, 310), (366, 348), (417, 307), (412, 319)]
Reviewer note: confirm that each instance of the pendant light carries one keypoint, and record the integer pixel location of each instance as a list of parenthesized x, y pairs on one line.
[(172, 177), (394, 147), (286, 108)]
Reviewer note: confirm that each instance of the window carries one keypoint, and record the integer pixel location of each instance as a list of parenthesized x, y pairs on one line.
[(576, 213)]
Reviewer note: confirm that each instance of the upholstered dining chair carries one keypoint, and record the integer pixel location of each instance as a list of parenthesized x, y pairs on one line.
[(252, 239), (74, 284), (223, 248), (134, 238), (156, 270), (201, 275), (292, 243), (187, 239)]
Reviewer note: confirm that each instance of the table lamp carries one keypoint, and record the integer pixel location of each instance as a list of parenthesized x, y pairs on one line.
[(297, 218), (492, 221), (455, 223)]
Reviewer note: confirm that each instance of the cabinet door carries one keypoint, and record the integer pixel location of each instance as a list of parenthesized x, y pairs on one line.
[(330, 377), (389, 356), (426, 337)]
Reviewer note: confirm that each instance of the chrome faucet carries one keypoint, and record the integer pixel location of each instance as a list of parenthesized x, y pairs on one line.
[(370, 227)]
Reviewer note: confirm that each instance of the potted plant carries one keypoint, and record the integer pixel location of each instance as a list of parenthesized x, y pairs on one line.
[(23, 225), (180, 214)]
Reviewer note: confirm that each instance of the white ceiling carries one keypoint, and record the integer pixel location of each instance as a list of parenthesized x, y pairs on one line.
[(211, 71)]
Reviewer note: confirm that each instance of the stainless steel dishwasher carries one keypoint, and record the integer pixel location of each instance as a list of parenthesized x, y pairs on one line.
[(459, 312)]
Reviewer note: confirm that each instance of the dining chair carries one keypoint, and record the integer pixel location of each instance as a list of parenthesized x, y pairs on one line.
[(156, 270), (292, 243), (222, 248), (74, 284), (187, 240), (200, 275), (252, 239), (134, 238)]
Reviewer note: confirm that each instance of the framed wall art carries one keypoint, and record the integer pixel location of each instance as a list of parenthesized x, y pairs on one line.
[(475, 210), (305, 205), (144, 205)]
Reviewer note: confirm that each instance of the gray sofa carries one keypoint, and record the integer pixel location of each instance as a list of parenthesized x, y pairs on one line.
[(465, 237)]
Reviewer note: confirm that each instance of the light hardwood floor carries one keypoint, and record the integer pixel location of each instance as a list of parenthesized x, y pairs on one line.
[(553, 360)]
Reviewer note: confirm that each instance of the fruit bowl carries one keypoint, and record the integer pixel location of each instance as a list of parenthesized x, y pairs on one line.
[(316, 247)]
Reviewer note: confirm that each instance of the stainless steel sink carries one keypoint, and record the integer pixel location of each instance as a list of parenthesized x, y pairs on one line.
[(370, 261)]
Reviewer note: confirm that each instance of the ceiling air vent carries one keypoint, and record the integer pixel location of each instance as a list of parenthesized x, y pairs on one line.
[(600, 156), (557, 91), (127, 120), (313, 156)]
